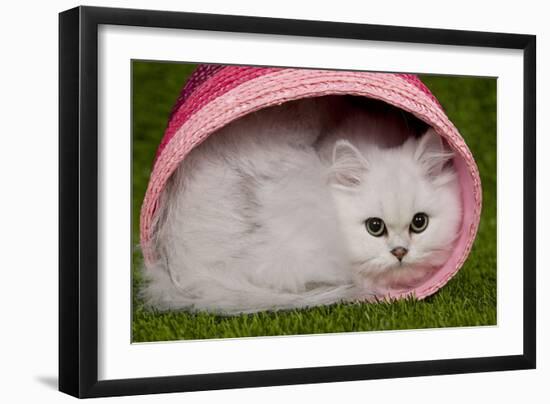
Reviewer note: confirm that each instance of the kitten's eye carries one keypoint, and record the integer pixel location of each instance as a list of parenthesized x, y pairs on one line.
[(419, 223), (375, 226)]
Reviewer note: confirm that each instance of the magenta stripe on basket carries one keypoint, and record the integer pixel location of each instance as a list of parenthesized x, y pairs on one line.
[(200, 75), (221, 81)]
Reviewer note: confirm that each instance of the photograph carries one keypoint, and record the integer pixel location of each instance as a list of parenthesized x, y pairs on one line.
[(277, 201), (249, 202)]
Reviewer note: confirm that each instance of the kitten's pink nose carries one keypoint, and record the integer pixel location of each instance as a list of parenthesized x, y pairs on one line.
[(399, 252)]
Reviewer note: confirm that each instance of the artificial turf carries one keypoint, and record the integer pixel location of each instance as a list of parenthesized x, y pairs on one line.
[(469, 299)]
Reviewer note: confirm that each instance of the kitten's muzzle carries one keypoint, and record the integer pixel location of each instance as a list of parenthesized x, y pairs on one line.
[(399, 252)]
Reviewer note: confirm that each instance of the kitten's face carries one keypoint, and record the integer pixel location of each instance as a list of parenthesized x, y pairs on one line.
[(400, 211)]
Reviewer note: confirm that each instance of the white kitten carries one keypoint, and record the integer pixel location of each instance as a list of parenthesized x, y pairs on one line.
[(291, 207)]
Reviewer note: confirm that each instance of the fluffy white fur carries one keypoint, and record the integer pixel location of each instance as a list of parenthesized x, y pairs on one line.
[(269, 213)]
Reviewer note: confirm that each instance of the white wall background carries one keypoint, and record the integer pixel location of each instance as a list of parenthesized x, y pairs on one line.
[(28, 198)]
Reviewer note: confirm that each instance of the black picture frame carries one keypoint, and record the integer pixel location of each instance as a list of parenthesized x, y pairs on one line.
[(78, 201)]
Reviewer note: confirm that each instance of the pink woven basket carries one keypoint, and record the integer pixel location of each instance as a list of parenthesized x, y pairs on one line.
[(215, 95)]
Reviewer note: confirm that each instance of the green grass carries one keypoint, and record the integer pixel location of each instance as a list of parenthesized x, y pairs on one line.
[(469, 299)]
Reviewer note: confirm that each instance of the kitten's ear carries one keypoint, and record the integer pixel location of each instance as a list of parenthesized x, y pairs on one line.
[(348, 165), (432, 153)]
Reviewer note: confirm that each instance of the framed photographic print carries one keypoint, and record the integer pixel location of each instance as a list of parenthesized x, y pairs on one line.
[(250, 201)]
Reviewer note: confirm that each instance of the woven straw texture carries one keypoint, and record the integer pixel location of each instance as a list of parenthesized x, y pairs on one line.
[(215, 95)]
